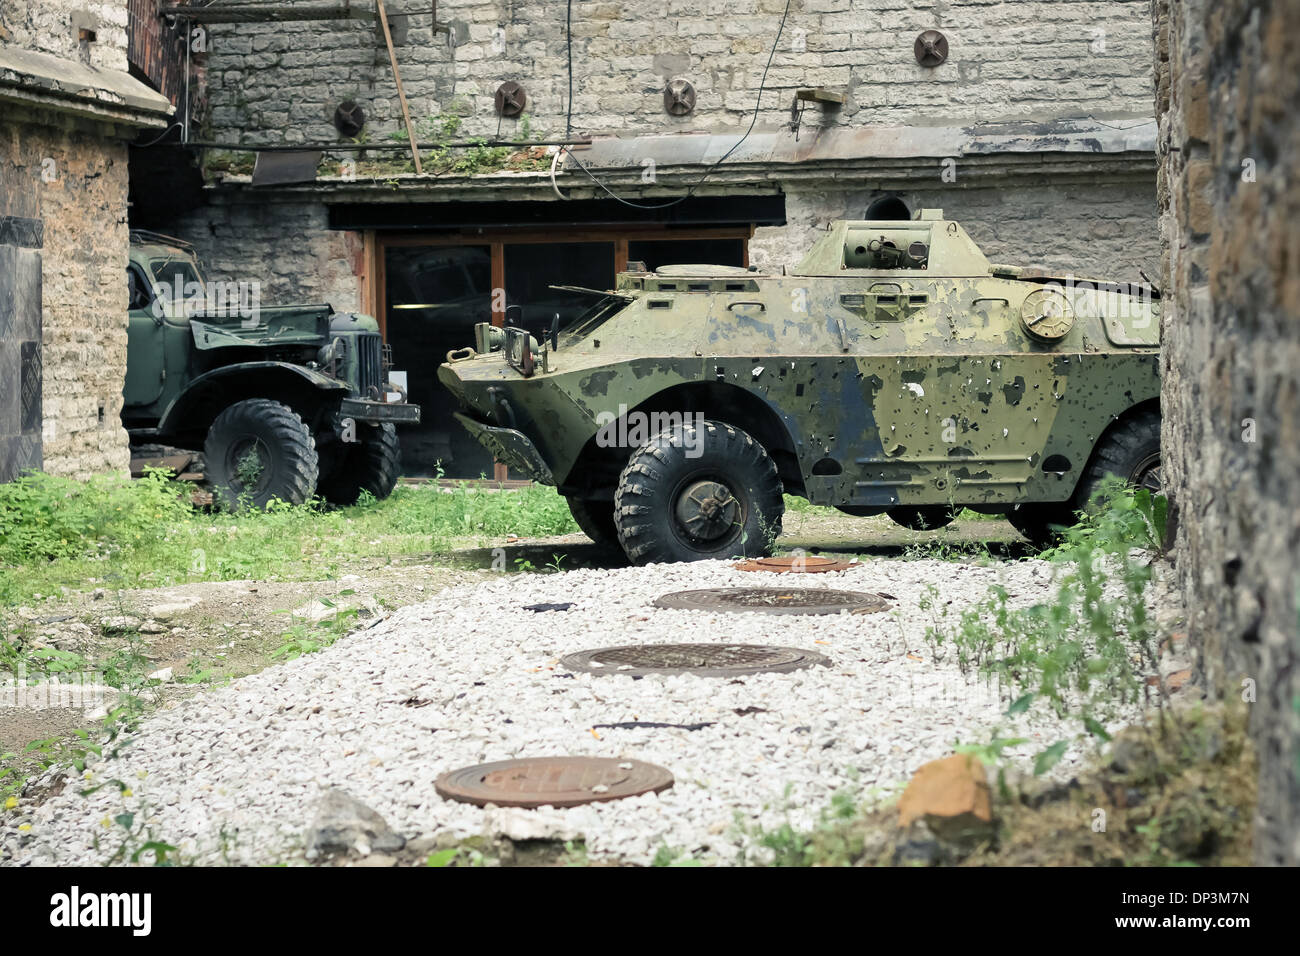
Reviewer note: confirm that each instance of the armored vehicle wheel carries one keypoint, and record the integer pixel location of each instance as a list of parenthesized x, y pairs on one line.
[(1129, 450), (369, 465), (698, 491), (922, 517), (596, 519), (257, 450), (1041, 522)]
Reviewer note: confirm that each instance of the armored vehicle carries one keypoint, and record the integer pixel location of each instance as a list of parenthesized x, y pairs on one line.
[(894, 370), (283, 401)]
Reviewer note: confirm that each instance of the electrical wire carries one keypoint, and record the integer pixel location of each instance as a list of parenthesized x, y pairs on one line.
[(708, 172), (568, 43), (159, 138)]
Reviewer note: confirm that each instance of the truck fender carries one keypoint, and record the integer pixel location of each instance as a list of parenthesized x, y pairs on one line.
[(305, 390)]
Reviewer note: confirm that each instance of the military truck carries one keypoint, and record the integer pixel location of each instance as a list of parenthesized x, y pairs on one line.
[(894, 370), (284, 402)]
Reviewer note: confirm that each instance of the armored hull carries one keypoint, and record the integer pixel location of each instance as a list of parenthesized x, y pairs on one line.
[(895, 369)]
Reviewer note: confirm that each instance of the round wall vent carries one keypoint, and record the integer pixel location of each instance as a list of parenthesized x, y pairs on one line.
[(349, 118)]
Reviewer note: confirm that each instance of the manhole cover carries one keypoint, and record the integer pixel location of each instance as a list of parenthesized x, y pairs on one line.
[(800, 564), (703, 660), (552, 781), (775, 600)]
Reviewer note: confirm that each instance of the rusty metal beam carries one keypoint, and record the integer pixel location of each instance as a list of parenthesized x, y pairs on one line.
[(381, 147), (282, 13), (263, 12)]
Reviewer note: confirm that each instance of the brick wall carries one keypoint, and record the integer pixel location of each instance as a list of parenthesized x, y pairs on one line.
[(1228, 76)]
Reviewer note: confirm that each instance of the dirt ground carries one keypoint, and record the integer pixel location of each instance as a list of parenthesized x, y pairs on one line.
[(210, 632)]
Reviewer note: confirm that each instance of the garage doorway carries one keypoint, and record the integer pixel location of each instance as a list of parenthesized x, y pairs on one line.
[(430, 289)]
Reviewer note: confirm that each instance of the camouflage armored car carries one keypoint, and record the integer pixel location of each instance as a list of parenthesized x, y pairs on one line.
[(284, 402), (894, 370)]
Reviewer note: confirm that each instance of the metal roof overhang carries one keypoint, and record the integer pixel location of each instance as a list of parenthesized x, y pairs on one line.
[(698, 211), (832, 144)]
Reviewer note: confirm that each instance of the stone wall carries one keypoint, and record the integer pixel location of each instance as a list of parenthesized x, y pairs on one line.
[(1008, 60), (53, 27), (1103, 230), (1228, 76), (285, 245), (70, 172), (75, 181), (1106, 230)]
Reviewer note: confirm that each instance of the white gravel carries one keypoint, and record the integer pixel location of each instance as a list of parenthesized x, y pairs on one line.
[(235, 773)]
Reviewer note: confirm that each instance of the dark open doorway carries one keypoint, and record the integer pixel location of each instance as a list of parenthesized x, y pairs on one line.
[(435, 287)]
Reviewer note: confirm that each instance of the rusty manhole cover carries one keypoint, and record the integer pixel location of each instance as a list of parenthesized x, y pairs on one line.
[(775, 600), (703, 660), (799, 564), (552, 781)]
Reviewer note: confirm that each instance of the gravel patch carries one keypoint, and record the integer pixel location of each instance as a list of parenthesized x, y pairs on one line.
[(235, 774)]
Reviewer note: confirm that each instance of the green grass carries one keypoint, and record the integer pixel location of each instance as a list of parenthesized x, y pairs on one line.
[(59, 533)]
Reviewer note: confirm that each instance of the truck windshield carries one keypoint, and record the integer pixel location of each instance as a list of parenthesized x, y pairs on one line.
[(176, 281)]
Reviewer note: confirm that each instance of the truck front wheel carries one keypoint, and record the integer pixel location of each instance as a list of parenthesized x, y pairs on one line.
[(258, 450), (369, 465)]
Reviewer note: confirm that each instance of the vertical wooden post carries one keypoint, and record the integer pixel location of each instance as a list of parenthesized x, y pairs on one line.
[(401, 93), (620, 256), (379, 283), (369, 304)]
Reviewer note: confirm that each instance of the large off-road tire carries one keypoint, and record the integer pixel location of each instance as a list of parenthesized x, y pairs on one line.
[(596, 519), (922, 517), (697, 491), (370, 464), (1041, 522), (257, 450), (1130, 450)]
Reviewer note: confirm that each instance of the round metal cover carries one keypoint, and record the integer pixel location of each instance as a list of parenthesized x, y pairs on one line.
[(1047, 314), (349, 118), (679, 97), (510, 98), (774, 600), (703, 660), (552, 781), (931, 48), (799, 564)]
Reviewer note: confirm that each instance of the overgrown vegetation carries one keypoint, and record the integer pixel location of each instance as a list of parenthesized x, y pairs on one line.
[(1174, 789), (1088, 651), (113, 532)]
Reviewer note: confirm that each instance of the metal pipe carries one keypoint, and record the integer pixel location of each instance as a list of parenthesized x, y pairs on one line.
[(280, 13), (362, 147)]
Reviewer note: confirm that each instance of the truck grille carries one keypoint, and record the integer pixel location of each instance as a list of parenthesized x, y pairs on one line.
[(370, 350)]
